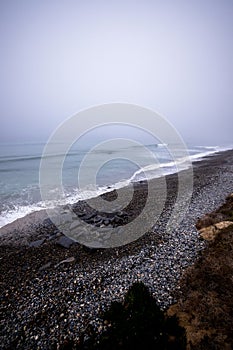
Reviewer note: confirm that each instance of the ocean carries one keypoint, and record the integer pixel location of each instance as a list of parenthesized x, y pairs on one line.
[(20, 168)]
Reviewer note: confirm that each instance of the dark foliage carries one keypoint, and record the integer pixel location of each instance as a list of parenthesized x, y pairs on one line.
[(138, 323)]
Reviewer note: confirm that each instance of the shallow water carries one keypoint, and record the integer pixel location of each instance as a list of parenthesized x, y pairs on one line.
[(20, 165)]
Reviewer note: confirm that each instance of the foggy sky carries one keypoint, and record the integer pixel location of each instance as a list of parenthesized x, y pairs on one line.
[(58, 57)]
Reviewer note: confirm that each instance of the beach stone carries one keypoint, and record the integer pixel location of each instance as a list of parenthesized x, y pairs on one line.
[(33, 306), (89, 217), (81, 214), (98, 219), (106, 222), (54, 236), (47, 222), (68, 260), (37, 243), (44, 267), (118, 220), (65, 242)]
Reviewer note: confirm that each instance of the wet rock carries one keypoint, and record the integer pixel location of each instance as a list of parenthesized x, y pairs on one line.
[(46, 266), (34, 302), (54, 236), (47, 222), (98, 220), (90, 250), (81, 214), (37, 243), (89, 217), (118, 220), (65, 242), (68, 260)]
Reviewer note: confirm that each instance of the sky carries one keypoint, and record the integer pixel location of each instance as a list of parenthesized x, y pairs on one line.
[(59, 57)]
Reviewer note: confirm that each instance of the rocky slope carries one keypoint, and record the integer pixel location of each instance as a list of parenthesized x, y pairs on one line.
[(205, 307)]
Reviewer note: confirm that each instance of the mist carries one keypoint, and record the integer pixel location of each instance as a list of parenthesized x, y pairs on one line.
[(59, 57)]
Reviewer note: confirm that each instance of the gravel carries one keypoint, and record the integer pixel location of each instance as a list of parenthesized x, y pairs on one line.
[(51, 295)]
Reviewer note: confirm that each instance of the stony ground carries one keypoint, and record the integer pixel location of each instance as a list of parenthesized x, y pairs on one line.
[(51, 294)]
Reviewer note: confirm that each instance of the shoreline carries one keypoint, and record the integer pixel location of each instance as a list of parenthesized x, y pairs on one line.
[(25, 226), (41, 291), (39, 214)]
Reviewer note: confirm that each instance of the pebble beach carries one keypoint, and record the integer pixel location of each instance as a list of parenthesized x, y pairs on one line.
[(54, 290)]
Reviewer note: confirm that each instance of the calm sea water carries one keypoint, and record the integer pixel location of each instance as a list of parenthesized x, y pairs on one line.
[(20, 164)]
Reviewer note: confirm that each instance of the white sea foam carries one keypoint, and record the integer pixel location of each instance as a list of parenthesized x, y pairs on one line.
[(8, 216), (20, 211), (149, 172)]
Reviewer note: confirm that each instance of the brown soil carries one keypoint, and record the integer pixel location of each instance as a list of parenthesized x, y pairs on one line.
[(205, 308), (224, 213)]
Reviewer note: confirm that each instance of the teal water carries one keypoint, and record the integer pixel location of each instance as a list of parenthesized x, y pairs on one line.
[(20, 164)]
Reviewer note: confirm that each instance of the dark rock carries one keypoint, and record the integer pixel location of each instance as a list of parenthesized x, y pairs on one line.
[(65, 242), (138, 323), (36, 244), (68, 260), (80, 214), (90, 250), (44, 267), (118, 220), (54, 236), (89, 216), (110, 196), (98, 219), (47, 222)]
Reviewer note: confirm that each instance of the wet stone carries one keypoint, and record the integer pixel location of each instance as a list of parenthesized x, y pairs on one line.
[(37, 243), (65, 242), (46, 266)]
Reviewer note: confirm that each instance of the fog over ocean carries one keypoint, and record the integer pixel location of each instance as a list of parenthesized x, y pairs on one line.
[(58, 58)]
